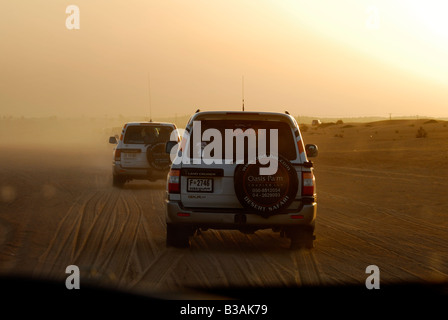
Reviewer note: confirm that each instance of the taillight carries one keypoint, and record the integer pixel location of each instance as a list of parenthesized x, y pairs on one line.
[(117, 154), (174, 181), (308, 184), (183, 214)]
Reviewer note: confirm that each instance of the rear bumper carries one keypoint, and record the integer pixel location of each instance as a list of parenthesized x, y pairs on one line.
[(137, 173), (236, 220)]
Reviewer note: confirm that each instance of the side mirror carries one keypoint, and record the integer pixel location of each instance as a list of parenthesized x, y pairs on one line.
[(311, 150), (112, 140), (170, 145)]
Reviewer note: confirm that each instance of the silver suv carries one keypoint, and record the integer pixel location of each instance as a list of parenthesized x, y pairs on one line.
[(243, 171), (140, 152)]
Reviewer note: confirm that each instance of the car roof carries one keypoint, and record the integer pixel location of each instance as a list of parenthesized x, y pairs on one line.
[(241, 115), (148, 123)]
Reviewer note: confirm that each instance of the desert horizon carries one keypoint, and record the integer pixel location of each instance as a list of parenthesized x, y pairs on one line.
[(25, 129)]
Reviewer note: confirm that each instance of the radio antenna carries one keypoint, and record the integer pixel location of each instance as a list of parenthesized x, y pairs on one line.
[(242, 89), (149, 97)]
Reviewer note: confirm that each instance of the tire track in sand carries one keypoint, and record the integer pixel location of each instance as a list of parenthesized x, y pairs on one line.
[(100, 233)]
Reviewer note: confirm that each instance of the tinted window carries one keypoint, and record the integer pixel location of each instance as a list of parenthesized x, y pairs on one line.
[(286, 141), (147, 134)]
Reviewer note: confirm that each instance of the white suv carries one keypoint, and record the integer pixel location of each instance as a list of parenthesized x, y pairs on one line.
[(222, 177), (140, 152)]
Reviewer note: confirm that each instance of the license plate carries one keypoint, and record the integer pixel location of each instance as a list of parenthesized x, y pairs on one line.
[(128, 155), (199, 185)]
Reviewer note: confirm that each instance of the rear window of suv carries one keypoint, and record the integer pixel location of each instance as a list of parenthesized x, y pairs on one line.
[(147, 134), (286, 141)]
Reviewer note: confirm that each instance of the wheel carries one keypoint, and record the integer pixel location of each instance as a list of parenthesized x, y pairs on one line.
[(301, 237), (157, 157), (281, 187), (177, 236), (118, 181)]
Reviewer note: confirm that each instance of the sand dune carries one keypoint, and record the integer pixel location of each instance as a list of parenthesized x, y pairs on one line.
[(381, 193)]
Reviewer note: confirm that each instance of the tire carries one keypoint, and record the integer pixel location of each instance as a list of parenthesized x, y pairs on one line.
[(301, 237), (281, 187), (157, 158), (177, 236), (118, 181)]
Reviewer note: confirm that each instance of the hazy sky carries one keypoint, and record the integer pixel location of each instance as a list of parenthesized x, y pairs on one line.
[(324, 58)]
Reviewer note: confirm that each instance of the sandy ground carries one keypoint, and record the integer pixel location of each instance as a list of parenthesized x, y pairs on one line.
[(381, 201)]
